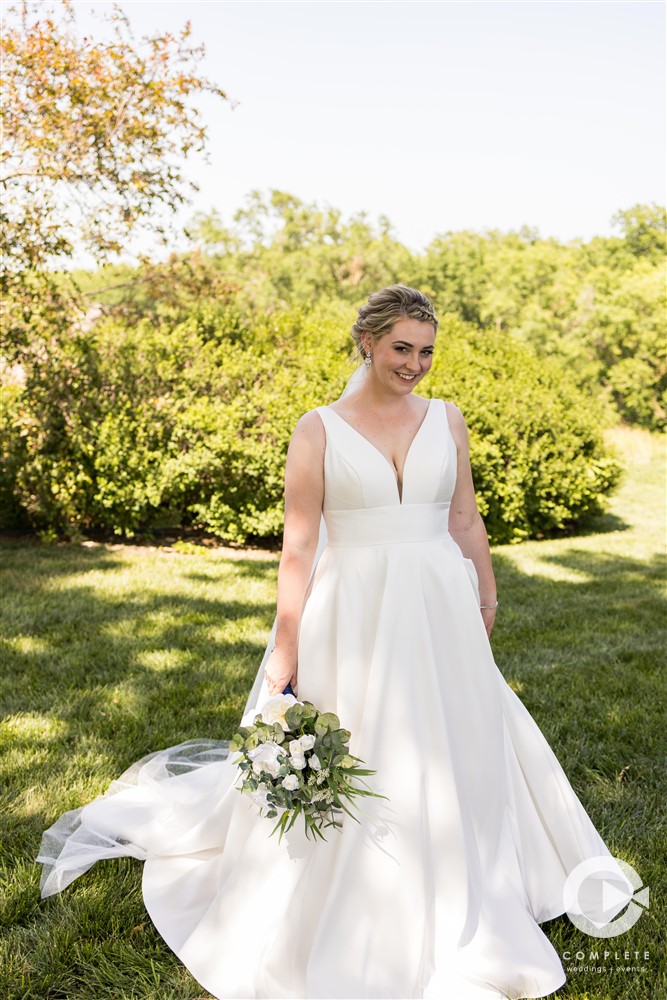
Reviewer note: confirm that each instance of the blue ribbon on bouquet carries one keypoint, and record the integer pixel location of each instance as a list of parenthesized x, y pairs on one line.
[(288, 689)]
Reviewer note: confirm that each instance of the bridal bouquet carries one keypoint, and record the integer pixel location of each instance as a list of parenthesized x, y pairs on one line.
[(294, 760)]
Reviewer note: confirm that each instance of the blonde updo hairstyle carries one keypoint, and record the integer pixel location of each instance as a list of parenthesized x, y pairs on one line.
[(384, 308)]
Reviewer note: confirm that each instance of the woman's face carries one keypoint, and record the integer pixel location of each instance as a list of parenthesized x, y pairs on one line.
[(402, 357)]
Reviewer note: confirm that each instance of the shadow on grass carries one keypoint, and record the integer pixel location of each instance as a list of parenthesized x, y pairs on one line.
[(601, 524), (122, 674), (40, 559), (585, 656), (581, 639), (104, 677), (96, 679)]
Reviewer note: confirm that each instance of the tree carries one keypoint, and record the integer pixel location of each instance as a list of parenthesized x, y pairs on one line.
[(598, 307), (644, 229), (95, 136), (94, 133), (286, 252)]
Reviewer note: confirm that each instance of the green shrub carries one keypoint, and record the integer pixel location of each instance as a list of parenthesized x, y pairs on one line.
[(12, 455), (151, 425), (536, 447)]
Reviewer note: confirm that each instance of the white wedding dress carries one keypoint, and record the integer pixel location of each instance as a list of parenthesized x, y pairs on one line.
[(439, 891)]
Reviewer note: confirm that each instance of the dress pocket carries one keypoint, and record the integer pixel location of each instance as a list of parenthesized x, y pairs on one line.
[(472, 573)]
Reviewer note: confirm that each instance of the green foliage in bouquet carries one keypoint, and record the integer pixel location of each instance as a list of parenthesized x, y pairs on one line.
[(295, 760)]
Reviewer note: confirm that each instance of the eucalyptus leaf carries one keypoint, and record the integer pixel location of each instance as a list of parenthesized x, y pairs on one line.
[(295, 712), (330, 719)]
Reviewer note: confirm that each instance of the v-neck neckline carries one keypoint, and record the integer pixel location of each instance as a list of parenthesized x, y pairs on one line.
[(400, 489)]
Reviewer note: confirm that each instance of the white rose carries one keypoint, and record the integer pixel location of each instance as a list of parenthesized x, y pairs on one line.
[(298, 762), (265, 758), (296, 748), (290, 782), (315, 762), (307, 742), (275, 709)]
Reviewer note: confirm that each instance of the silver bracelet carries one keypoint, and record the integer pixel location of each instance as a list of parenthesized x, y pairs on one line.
[(483, 607)]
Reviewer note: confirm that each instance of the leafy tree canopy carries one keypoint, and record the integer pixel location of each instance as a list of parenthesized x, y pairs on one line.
[(95, 133), (644, 229)]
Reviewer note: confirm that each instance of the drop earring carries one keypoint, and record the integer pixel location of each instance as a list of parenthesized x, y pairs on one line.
[(368, 359)]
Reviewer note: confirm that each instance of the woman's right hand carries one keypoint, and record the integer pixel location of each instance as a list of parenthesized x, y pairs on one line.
[(280, 670)]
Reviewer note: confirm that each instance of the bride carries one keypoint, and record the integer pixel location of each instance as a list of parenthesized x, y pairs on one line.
[(386, 601)]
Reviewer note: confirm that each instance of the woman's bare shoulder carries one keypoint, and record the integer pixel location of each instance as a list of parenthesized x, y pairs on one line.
[(453, 412), (457, 423), (309, 428)]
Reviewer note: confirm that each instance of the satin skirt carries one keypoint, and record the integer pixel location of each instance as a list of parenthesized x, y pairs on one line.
[(437, 892)]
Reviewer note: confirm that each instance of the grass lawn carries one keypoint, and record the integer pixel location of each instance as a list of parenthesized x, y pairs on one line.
[(111, 651)]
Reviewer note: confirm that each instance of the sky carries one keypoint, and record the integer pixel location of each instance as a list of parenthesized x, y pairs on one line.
[(439, 115)]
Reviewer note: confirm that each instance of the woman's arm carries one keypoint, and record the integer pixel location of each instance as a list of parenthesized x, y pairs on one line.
[(304, 492), (465, 523)]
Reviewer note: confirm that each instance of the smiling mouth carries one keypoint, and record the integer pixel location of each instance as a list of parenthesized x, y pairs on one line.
[(406, 378)]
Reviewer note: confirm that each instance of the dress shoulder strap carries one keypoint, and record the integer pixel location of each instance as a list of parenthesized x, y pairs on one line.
[(328, 417), (445, 420)]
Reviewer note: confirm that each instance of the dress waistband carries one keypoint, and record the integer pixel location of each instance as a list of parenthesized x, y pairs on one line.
[(422, 522)]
